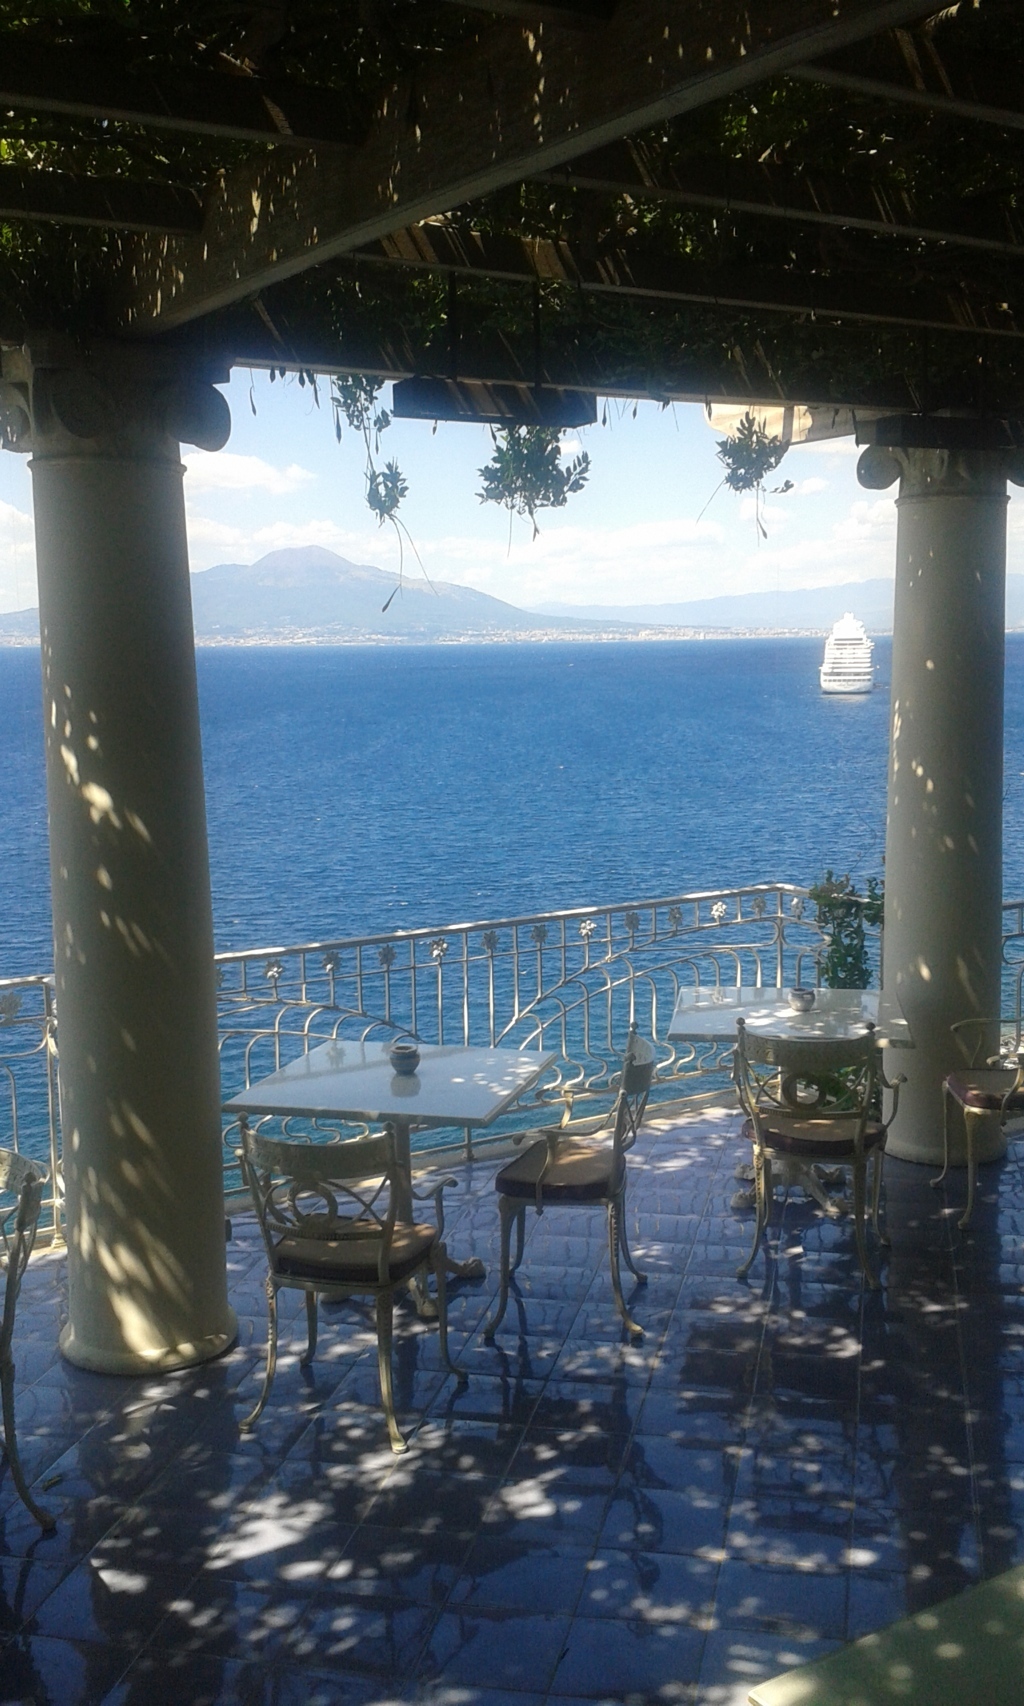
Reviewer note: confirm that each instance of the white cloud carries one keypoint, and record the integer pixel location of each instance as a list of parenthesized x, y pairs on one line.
[(828, 447), (211, 541), (807, 488), (221, 471), (17, 559)]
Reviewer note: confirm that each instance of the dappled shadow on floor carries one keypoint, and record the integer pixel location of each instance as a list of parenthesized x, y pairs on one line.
[(778, 1466)]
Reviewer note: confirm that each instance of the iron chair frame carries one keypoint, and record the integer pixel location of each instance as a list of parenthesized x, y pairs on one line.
[(1010, 1066), (622, 1122), (24, 1180), (788, 1063), (278, 1173)]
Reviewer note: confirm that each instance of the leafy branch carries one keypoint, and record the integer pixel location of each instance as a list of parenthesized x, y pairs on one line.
[(842, 916), (526, 472), (749, 455)]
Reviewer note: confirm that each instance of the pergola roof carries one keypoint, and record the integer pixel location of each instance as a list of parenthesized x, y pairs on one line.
[(806, 200)]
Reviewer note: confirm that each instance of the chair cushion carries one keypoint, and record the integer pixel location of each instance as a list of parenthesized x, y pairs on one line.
[(984, 1089), (816, 1140), (580, 1172), (353, 1261)]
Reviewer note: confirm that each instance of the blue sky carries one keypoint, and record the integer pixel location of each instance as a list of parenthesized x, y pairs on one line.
[(635, 535)]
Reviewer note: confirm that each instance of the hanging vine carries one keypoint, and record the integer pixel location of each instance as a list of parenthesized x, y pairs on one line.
[(749, 455), (527, 474), (355, 402)]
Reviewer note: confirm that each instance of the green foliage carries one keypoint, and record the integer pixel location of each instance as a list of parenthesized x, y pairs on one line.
[(842, 916), (749, 455), (526, 472), (354, 400)]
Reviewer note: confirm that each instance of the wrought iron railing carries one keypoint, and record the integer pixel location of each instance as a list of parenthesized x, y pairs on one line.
[(29, 1121), (571, 981)]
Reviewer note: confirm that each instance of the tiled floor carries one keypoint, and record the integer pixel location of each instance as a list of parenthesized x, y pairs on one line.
[(776, 1468)]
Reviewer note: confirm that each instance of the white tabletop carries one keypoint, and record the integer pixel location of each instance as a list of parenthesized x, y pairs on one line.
[(710, 1013), (352, 1080)]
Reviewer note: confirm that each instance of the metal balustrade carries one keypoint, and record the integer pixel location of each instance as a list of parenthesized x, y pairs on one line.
[(571, 981), (29, 1121)]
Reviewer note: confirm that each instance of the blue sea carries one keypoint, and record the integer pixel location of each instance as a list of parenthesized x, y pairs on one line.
[(359, 789)]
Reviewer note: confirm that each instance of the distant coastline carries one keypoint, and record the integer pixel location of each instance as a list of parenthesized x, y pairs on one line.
[(535, 637), (308, 596)]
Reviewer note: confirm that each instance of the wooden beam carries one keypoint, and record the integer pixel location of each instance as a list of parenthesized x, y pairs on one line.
[(487, 114), (566, 14), (120, 203), (38, 77), (772, 192), (905, 95), (850, 296)]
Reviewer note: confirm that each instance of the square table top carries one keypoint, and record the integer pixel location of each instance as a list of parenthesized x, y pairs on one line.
[(710, 1013), (453, 1085)]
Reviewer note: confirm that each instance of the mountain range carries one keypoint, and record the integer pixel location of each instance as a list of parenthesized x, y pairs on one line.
[(311, 595), (814, 608)]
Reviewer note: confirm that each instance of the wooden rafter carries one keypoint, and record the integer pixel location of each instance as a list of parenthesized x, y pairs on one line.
[(119, 203), (39, 77), (515, 102), (852, 202), (567, 14), (954, 75), (857, 297), (904, 94)]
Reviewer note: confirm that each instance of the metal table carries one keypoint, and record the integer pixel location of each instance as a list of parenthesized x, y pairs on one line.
[(453, 1085), (709, 1014)]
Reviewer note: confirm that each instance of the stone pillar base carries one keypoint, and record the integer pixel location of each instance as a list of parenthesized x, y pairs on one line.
[(162, 1359)]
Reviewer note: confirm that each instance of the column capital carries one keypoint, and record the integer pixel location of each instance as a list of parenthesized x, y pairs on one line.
[(60, 398), (941, 455)]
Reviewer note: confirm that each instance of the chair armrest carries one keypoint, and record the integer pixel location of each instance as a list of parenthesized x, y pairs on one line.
[(892, 1084), (435, 1191)]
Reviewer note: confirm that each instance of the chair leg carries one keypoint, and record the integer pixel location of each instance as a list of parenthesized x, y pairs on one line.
[(310, 1351), (762, 1200), (641, 1279), (508, 1209), (385, 1316), (520, 1237), (860, 1179), (876, 1197), (972, 1171), (613, 1254), (43, 1518), (440, 1266), (268, 1380), (946, 1099)]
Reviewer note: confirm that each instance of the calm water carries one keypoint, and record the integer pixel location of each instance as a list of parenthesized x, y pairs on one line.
[(354, 790)]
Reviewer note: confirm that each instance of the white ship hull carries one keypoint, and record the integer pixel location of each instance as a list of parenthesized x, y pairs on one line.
[(833, 683), (848, 651)]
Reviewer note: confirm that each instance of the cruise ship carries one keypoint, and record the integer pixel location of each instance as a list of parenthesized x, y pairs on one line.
[(847, 666)]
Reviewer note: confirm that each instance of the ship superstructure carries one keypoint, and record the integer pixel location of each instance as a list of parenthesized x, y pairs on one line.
[(847, 666)]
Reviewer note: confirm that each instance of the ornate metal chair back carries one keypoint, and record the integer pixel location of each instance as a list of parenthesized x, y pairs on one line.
[(807, 1079), (634, 1090), (323, 1190)]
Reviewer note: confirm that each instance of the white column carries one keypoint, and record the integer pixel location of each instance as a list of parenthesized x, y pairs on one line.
[(943, 850), (133, 936)]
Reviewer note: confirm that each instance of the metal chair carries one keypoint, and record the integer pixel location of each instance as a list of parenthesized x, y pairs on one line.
[(327, 1212), (23, 1180), (980, 1091), (581, 1166), (812, 1101)]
